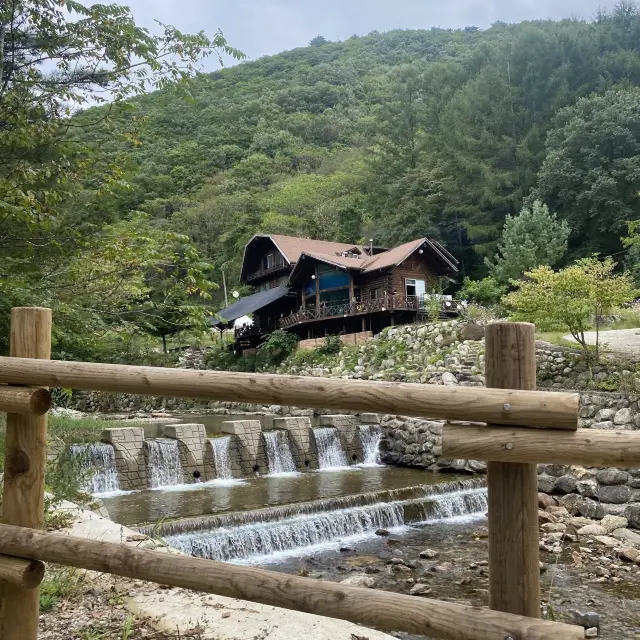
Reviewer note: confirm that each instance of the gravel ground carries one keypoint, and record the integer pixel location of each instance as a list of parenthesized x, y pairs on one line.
[(621, 340)]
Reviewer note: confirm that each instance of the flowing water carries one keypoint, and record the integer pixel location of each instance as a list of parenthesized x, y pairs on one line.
[(221, 448), (97, 467), (278, 451), (331, 455), (370, 436), (271, 535), (163, 463)]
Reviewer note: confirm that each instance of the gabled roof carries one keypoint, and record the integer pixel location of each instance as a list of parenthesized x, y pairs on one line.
[(345, 262), (291, 247), (393, 257)]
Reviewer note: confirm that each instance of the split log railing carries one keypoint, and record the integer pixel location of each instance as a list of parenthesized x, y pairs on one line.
[(513, 427)]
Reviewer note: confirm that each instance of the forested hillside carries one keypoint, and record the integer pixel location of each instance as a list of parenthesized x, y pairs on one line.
[(400, 134), (387, 136)]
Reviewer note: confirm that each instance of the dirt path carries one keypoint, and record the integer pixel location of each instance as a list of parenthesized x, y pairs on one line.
[(620, 340)]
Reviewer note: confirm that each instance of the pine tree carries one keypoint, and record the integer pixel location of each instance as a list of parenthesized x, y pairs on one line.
[(532, 239)]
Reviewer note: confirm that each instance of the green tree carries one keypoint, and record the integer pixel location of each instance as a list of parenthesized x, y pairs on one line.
[(486, 292), (533, 238), (591, 172), (574, 298)]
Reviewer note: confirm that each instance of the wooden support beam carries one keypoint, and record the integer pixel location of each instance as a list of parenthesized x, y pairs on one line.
[(25, 462), (497, 406), (588, 447), (24, 400), (514, 572), (26, 574), (379, 609)]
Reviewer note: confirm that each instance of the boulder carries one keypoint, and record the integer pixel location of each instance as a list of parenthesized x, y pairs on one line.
[(587, 620), (565, 484), (587, 488), (591, 530), (359, 580), (428, 554), (546, 483), (545, 500), (622, 416), (577, 505), (632, 514), (615, 494), (626, 535), (449, 379), (556, 470), (611, 523), (420, 590), (608, 541), (471, 331), (612, 476)]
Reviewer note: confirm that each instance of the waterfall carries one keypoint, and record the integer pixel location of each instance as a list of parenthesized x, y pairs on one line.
[(331, 455), (97, 467), (163, 462), (254, 541), (278, 452), (269, 534), (370, 436), (221, 449)]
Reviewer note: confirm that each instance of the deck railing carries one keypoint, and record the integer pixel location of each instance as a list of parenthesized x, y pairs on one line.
[(507, 441), (267, 271)]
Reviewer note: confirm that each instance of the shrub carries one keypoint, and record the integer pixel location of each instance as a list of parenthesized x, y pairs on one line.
[(486, 292), (332, 346), (277, 346)]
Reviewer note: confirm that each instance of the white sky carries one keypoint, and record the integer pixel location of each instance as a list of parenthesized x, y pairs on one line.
[(265, 27)]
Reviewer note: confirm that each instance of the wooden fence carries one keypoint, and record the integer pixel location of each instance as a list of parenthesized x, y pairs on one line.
[(514, 427)]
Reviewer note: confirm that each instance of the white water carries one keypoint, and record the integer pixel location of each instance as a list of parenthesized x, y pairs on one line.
[(331, 455), (221, 448), (98, 467), (292, 535), (370, 436), (459, 506), (271, 541), (279, 453), (163, 463)]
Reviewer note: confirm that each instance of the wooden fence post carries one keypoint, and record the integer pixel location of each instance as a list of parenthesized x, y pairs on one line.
[(24, 467), (514, 573)]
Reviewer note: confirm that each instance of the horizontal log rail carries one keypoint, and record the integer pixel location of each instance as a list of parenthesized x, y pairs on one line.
[(25, 401), (589, 447), (497, 406), (380, 609), (27, 574)]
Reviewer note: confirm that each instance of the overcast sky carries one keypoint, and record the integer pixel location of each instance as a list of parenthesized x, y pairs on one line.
[(265, 27)]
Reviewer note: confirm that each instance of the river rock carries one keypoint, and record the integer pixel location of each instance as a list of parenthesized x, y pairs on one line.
[(612, 476), (630, 554), (420, 590), (545, 500), (359, 580), (591, 530), (591, 632), (554, 527), (614, 494), (565, 484), (546, 483), (608, 541), (382, 532), (449, 379), (632, 514), (611, 523), (587, 620), (628, 536), (622, 416), (587, 488), (428, 554)]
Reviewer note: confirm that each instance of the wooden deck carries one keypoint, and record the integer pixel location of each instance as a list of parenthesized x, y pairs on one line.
[(386, 303)]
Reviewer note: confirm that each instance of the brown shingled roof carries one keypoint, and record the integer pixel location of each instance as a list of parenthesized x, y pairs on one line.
[(392, 257), (291, 247)]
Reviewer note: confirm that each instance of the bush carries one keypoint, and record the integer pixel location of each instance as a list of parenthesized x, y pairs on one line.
[(277, 346), (332, 346), (486, 292)]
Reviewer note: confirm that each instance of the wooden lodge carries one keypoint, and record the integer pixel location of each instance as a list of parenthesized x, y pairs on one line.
[(316, 288)]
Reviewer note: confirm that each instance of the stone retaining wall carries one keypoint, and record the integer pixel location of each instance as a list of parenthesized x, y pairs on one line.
[(349, 338)]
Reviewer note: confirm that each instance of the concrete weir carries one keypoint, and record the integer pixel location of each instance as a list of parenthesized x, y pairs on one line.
[(191, 442), (128, 445), (248, 436), (303, 446)]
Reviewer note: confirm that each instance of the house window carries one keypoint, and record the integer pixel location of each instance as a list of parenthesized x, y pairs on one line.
[(270, 260), (414, 288), (375, 293)]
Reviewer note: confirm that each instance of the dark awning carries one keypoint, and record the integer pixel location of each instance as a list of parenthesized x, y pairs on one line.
[(248, 305)]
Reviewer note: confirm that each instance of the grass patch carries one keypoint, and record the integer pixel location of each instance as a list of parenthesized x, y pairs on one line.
[(59, 584), (557, 338)]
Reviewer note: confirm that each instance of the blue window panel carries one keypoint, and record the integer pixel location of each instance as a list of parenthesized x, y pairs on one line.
[(334, 280), (310, 288)]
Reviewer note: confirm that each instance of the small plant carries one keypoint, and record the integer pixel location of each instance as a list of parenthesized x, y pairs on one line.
[(331, 346), (60, 583), (277, 346)]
